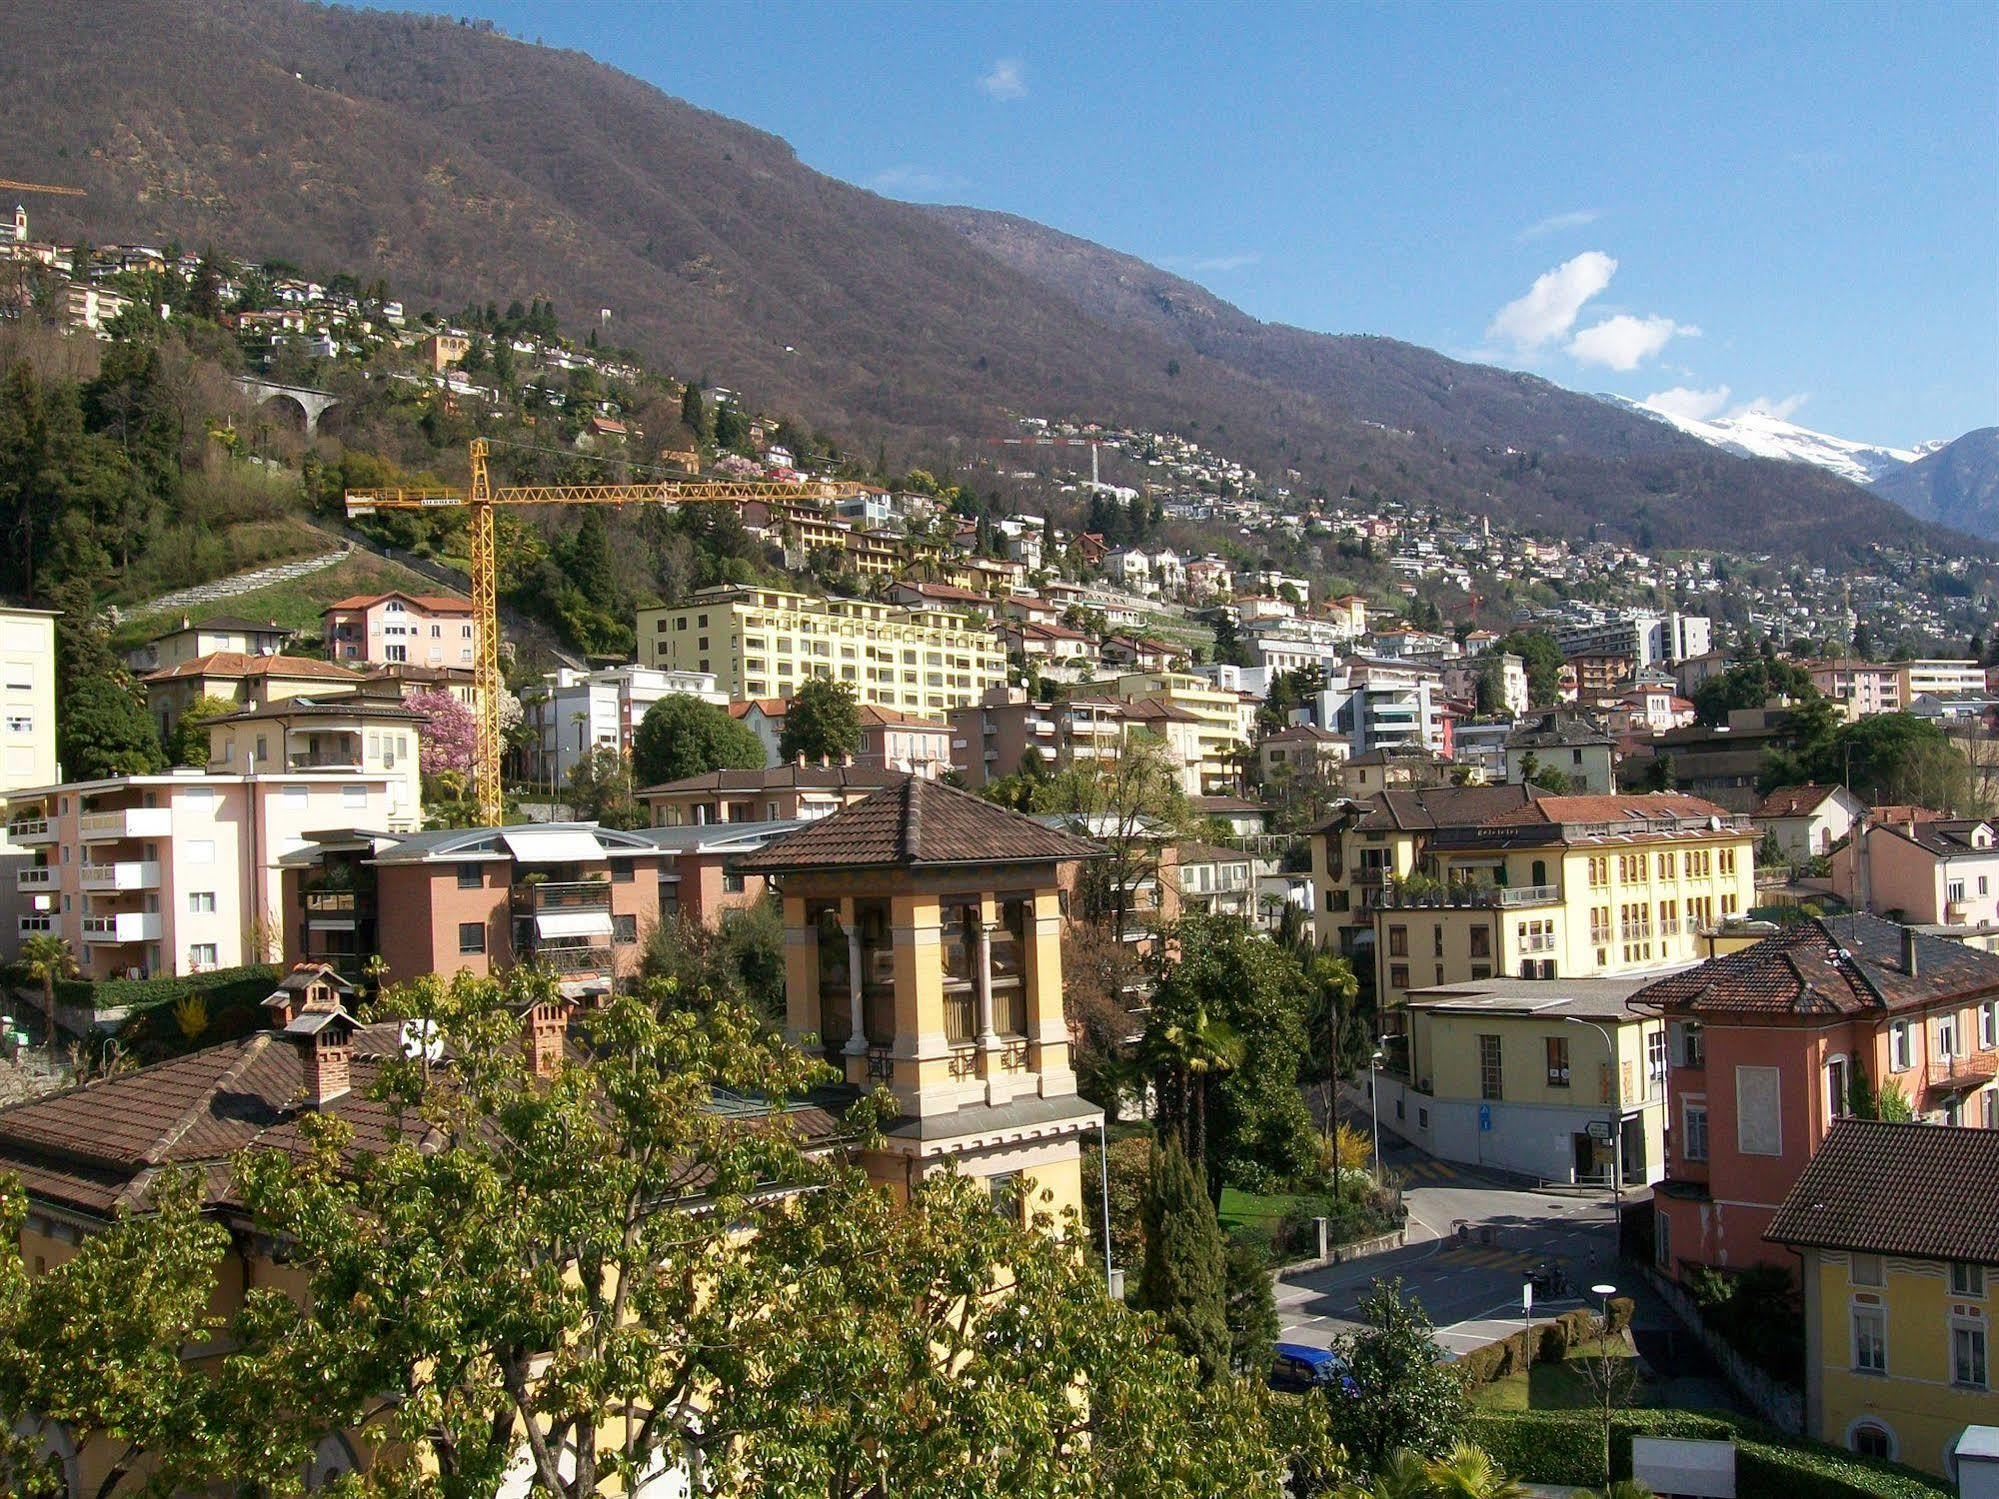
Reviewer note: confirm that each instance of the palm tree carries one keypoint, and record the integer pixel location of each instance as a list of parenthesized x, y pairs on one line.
[(1624, 1488), (1194, 1051), (1407, 1476), (45, 958), (1467, 1473)]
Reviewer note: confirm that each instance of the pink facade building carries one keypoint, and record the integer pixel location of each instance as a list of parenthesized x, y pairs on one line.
[(404, 629)]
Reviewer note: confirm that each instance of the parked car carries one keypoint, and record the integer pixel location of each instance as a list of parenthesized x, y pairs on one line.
[(1299, 1367)]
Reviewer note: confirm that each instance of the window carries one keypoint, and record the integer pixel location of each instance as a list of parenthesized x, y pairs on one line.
[(1489, 1085), (1869, 1439), (1967, 1354), (201, 902), (1655, 1064), (1967, 1280), (1836, 1088), (1946, 1036), (623, 872), (624, 930), (1988, 1025), (732, 882), (1867, 1270), (353, 796), (1662, 1241), (20, 723), (1558, 1061), (1481, 942), (1689, 1046), (1398, 942), (1870, 1339), (1693, 1119), (1006, 1193), (202, 955), (1437, 936), (470, 876), (471, 936), (1954, 891), (1398, 976), (1898, 1046)]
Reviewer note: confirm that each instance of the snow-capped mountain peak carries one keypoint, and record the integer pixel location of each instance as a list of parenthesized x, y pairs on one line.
[(1758, 434)]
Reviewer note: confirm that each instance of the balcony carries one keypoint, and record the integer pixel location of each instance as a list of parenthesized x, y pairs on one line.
[(132, 822), (573, 961), (330, 908), (40, 925), (323, 760), (31, 830), (35, 877), (127, 874), (125, 926), (565, 895)]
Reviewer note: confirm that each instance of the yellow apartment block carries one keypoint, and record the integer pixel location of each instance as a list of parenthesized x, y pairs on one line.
[(766, 642), (1217, 712)]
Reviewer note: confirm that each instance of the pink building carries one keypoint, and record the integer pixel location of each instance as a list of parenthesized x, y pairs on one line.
[(1768, 1045), (895, 741), (413, 629), (1933, 871)]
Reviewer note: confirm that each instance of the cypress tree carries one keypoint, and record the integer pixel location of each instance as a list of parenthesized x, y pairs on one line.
[(1250, 1306), (1184, 1276)]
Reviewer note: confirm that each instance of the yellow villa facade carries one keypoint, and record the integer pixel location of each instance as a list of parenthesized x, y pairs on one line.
[(1451, 885), (767, 642)]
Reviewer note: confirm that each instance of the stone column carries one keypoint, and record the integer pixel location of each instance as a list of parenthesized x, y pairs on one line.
[(857, 1038), (982, 981)]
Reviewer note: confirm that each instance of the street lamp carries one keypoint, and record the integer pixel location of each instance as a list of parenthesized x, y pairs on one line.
[(1374, 1109), (1616, 1114), (1104, 1181)]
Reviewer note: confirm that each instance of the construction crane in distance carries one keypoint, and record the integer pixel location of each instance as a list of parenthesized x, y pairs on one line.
[(478, 502)]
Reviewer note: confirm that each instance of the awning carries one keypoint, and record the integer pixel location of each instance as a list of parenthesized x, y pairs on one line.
[(573, 924), (552, 846)]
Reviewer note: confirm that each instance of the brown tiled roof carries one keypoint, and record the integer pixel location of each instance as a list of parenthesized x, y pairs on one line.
[(1794, 801), (1923, 1190), (434, 603), (238, 664), (1195, 852), (1835, 965), (915, 823), (781, 778)]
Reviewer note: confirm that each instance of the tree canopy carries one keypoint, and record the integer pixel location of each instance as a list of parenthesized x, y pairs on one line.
[(1750, 685), (681, 736), (1541, 658), (188, 744), (822, 722), (103, 729)]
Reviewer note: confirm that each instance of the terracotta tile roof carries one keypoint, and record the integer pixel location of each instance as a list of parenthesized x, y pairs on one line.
[(1922, 1190), (1626, 807), (225, 624), (238, 664), (781, 778), (433, 603), (1835, 965), (1208, 853), (872, 717), (1794, 801), (918, 822)]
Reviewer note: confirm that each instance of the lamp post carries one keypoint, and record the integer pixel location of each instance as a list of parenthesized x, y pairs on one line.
[(1374, 1109), (1616, 1113)]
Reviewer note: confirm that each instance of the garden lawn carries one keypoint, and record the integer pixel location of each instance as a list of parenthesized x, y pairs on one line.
[(1557, 1387), (1258, 1210)]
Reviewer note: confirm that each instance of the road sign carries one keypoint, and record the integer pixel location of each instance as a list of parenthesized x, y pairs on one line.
[(1485, 1118), (1599, 1129)]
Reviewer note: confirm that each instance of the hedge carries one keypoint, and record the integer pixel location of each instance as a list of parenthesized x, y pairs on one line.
[(1565, 1448), (1544, 1342), (223, 987)]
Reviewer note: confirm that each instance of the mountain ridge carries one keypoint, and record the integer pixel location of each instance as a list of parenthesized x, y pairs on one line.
[(1956, 484), (459, 161)]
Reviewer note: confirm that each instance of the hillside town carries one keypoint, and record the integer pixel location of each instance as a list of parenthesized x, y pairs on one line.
[(688, 959)]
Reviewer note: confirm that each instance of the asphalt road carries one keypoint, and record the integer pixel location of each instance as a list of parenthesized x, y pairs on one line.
[(1470, 1289)]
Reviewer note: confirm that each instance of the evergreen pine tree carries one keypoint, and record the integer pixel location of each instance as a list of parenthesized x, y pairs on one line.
[(1250, 1306), (1183, 1277)]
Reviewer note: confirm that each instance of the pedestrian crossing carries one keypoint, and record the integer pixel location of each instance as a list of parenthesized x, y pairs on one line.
[(1491, 1257)]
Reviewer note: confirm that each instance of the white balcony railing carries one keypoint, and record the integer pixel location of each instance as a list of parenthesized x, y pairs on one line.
[(126, 874), (132, 822), (35, 926), (30, 830), (123, 926)]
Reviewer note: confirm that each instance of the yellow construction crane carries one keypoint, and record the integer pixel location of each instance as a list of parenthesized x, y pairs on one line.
[(478, 501)]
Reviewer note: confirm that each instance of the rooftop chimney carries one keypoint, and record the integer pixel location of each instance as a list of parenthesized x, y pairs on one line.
[(1909, 951), (329, 1058), (545, 1030)]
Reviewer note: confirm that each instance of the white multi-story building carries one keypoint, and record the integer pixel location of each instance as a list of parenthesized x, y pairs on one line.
[(570, 714), (1939, 678), (1649, 639), (27, 698)]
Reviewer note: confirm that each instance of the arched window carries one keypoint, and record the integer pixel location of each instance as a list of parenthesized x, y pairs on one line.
[(1870, 1438), (1540, 872)]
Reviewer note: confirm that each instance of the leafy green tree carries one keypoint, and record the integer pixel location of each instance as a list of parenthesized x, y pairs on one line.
[(694, 413), (599, 789), (104, 730), (1751, 685), (1542, 660), (1183, 1277), (740, 959), (681, 736), (1249, 1305), (1404, 1395), (188, 744), (822, 722)]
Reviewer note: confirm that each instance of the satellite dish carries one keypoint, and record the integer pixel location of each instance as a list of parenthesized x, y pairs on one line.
[(421, 1039), (1714, 823)]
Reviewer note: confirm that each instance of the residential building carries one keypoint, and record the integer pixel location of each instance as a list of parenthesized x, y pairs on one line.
[(1213, 880), (371, 736), (1301, 749), (1459, 884), (1600, 676), (1052, 650), (1898, 1253), (946, 597), (27, 700), (1217, 710), (1931, 871), (1378, 770), (1645, 638), (1392, 705), (1939, 678), (1768, 1045), (443, 349), (1531, 1076), (1245, 818), (167, 874), (571, 714), (573, 897), (1721, 762), (415, 629), (222, 632), (784, 793), (1860, 688), (233, 677), (91, 305), (396, 679), (1807, 820), (990, 741), (896, 741), (1295, 644), (765, 642), (924, 955), (1566, 743)]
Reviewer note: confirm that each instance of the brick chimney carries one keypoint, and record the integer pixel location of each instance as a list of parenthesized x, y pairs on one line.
[(1909, 951), (322, 1030), (329, 1062), (545, 1032)]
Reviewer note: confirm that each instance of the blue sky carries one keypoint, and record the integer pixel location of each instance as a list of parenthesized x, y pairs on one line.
[(1795, 207)]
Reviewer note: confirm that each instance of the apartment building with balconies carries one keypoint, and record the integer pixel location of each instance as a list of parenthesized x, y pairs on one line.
[(415, 629), (27, 700), (767, 642), (233, 677), (177, 873), (1770, 1044), (571, 714), (343, 732), (990, 740), (1451, 885)]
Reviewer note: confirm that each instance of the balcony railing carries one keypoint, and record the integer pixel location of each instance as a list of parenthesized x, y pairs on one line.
[(35, 877), (35, 926), (1470, 897), (571, 960), (126, 874), (342, 903), (123, 926), (567, 895), (131, 822), (30, 830), (322, 760)]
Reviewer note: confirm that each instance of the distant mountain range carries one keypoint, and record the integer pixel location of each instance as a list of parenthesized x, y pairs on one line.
[(461, 164), (1951, 483)]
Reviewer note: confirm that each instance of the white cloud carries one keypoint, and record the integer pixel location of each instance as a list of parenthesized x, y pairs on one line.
[(906, 179), (1004, 80), (1783, 409), (1556, 223), (1690, 404), (1624, 342), (1553, 302), (1195, 264)]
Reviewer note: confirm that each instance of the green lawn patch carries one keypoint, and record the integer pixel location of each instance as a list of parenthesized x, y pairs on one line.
[(295, 603), (1551, 1386)]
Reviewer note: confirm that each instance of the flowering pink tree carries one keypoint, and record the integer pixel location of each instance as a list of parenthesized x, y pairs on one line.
[(448, 741)]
